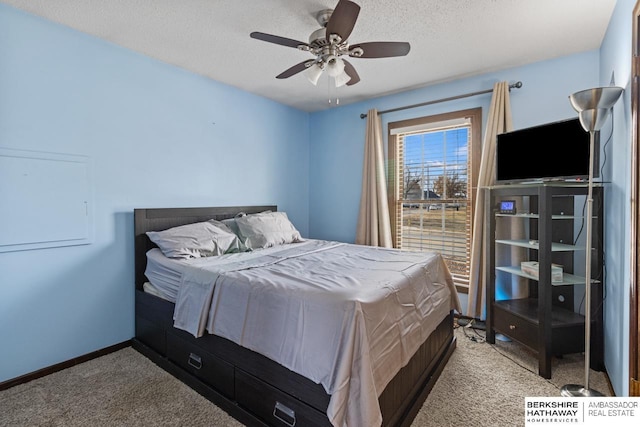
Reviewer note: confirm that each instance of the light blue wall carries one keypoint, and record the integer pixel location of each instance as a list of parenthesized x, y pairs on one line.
[(615, 60), (337, 135), (337, 141), (158, 136)]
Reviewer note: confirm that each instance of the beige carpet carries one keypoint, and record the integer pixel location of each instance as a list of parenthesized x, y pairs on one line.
[(482, 385)]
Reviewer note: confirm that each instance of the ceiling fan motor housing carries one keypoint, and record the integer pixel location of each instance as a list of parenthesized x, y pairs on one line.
[(318, 39)]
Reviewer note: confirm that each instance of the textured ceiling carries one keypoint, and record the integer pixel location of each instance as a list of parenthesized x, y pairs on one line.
[(449, 39)]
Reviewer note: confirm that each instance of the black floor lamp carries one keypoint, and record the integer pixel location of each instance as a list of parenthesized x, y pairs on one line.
[(593, 107)]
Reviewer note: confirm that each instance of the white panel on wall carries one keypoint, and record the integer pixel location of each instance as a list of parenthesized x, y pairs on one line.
[(45, 200)]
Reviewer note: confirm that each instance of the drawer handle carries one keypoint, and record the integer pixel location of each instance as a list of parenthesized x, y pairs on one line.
[(512, 327), (195, 361), (280, 411)]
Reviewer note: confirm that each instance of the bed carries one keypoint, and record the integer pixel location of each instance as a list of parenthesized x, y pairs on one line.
[(274, 382)]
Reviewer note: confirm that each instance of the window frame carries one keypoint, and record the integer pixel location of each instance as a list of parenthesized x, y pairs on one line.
[(393, 185)]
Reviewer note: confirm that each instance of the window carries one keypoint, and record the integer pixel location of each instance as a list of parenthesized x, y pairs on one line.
[(433, 164)]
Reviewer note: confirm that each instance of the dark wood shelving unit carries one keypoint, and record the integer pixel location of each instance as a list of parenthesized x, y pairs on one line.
[(547, 320)]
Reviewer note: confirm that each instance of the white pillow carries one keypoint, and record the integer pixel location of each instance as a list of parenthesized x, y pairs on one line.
[(267, 229), (197, 240), (231, 225)]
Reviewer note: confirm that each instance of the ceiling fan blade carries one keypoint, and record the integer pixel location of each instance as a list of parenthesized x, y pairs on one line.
[(343, 19), (283, 41), (382, 49), (351, 72), (295, 69)]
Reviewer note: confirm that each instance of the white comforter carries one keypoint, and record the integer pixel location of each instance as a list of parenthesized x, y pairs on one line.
[(345, 316)]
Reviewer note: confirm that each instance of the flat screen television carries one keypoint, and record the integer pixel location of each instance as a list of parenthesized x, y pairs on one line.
[(549, 152)]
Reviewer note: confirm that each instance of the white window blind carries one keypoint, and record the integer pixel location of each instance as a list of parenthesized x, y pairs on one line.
[(433, 197)]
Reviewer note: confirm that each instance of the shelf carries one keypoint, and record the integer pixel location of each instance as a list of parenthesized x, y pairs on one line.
[(555, 247), (567, 278), (534, 216), (546, 320), (527, 308), (521, 187)]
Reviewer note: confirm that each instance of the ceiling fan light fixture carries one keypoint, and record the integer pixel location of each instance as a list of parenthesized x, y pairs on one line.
[(313, 73), (335, 67), (342, 79)]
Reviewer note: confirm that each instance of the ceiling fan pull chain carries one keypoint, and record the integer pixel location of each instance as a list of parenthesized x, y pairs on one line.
[(331, 92)]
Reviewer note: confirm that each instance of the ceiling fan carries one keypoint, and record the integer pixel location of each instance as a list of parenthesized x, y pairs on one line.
[(329, 44)]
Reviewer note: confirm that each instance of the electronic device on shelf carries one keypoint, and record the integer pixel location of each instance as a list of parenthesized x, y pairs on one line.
[(507, 207), (537, 154)]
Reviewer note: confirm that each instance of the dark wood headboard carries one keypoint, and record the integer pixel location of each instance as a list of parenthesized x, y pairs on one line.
[(159, 219)]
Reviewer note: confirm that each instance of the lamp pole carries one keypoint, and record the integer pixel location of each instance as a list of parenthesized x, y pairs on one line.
[(587, 274), (593, 106)]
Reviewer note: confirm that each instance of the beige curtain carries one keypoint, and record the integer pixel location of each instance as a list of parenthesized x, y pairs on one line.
[(498, 121), (374, 227)]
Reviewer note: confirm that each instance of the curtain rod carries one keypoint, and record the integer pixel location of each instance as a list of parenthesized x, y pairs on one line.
[(516, 85)]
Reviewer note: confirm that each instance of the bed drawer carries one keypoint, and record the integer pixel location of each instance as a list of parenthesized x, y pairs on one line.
[(205, 366), (273, 406)]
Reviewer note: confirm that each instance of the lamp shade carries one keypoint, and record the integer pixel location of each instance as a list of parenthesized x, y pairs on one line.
[(593, 119), (342, 79), (313, 73), (594, 105), (335, 67)]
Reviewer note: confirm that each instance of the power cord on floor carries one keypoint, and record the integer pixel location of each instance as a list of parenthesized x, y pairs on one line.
[(468, 323), (479, 338), (526, 368)]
